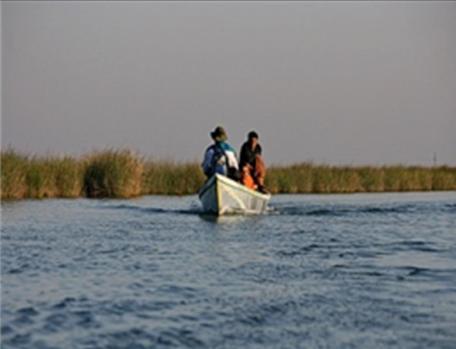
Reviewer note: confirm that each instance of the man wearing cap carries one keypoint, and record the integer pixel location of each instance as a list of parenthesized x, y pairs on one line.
[(220, 157), (251, 161)]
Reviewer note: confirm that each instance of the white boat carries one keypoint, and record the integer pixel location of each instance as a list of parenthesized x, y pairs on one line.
[(221, 195)]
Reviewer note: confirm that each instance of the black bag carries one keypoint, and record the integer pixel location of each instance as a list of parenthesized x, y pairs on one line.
[(234, 174)]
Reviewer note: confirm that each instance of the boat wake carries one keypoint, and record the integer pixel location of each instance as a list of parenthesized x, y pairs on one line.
[(339, 210), (154, 210)]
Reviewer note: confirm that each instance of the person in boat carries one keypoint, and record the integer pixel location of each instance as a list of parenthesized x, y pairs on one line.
[(252, 164), (220, 157)]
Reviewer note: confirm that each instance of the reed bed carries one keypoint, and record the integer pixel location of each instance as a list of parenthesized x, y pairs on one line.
[(115, 173), (310, 178), (171, 178)]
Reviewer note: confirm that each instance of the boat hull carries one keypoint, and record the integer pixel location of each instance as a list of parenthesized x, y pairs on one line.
[(221, 195)]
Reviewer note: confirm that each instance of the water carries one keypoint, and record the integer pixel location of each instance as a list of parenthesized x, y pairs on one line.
[(346, 271)]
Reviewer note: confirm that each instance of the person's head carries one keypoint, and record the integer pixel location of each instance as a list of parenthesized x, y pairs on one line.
[(219, 134), (252, 137)]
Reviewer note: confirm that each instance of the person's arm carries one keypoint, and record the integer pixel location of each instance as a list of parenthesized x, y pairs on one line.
[(207, 162), (242, 159)]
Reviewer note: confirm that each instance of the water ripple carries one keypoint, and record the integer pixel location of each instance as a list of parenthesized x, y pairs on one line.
[(315, 271)]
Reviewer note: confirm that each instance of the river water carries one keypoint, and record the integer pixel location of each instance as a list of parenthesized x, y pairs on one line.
[(317, 271)]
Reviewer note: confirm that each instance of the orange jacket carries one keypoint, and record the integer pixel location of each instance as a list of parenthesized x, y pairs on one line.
[(247, 180)]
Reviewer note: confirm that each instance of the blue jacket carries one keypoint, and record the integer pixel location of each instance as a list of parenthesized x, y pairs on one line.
[(218, 158)]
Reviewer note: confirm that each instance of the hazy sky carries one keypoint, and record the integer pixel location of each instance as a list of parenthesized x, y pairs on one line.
[(351, 82)]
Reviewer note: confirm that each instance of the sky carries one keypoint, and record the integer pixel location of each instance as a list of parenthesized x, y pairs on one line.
[(333, 82)]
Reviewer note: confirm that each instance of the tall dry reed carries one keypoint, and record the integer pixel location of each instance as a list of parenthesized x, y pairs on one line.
[(171, 178), (113, 174), (123, 173), (310, 178), (13, 175)]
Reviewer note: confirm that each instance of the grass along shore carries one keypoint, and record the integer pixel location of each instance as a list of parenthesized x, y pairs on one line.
[(123, 174)]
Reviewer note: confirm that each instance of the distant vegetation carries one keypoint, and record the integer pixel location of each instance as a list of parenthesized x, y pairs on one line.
[(123, 174), (310, 178)]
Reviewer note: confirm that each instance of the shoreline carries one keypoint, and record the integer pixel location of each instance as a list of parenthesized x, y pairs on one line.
[(9, 200)]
